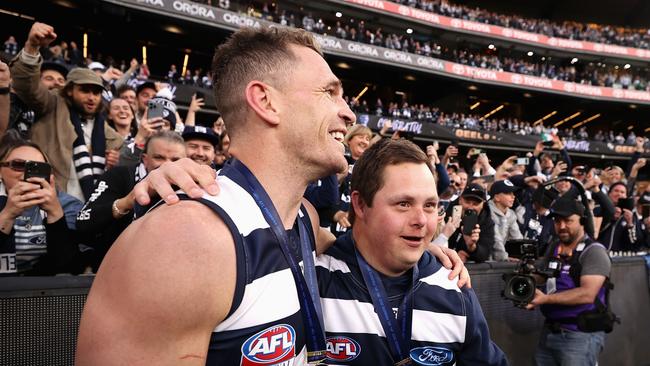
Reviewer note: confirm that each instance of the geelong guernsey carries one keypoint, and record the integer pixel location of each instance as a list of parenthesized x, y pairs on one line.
[(264, 325), (448, 326)]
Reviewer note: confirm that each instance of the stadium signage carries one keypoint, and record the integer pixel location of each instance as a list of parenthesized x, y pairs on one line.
[(428, 130), (228, 19), (534, 39), (193, 9)]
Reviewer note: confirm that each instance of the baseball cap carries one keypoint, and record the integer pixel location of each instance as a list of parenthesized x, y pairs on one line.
[(81, 76), (502, 186), (644, 199), (145, 85), (476, 191), (60, 68), (200, 133), (566, 206), (545, 195), (97, 66)]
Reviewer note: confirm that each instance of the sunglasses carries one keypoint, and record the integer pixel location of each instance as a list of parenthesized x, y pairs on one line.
[(17, 165)]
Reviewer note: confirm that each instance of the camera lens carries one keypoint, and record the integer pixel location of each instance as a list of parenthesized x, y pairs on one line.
[(521, 287)]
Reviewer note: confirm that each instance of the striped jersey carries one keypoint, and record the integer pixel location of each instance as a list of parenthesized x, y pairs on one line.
[(448, 326), (264, 325)]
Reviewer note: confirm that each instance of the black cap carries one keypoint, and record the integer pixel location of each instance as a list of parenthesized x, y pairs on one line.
[(566, 206), (644, 199), (545, 195), (200, 133), (145, 85), (60, 68), (502, 186), (476, 191)]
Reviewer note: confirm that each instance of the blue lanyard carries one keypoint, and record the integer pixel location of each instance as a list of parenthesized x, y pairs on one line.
[(307, 285), (398, 331)]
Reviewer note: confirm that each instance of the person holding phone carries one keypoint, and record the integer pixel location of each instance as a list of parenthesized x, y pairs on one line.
[(474, 238), (624, 232), (36, 221)]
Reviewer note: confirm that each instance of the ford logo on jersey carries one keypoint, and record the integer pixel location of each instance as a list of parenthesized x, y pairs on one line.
[(342, 348), (269, 347), (432, 356)]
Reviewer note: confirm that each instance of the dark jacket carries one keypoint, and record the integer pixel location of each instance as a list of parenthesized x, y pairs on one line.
[(486, 237)]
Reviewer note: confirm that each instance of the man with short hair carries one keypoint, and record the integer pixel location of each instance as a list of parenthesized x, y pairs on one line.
[(53, 75), (110, 208), (378, 277), (502, 195), (143, 93), (473, 244), (212, 281), (580, 288), (71, 129), (200, 144), (127, 93)]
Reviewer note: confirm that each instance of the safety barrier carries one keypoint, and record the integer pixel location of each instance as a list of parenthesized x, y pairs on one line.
[(39, 317)]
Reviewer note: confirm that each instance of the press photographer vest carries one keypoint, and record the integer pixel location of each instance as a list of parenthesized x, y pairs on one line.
[(569, 278)]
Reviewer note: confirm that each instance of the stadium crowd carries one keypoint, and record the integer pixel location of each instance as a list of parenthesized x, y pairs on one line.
[(96, 131)]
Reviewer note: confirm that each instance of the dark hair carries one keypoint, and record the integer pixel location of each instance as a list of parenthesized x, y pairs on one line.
[(253, 54), (12, 140), (133, 130), (124, 88), (367, 176), (169, 136), (619, 183)]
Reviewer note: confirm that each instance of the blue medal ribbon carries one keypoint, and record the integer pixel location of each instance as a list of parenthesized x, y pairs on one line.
[(398, 331), (306, 285)]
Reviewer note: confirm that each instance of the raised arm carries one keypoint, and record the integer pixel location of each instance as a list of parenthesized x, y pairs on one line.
[(160, 291)]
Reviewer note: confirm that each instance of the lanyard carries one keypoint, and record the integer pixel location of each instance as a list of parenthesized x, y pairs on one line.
[(398, 331), (306, 285)]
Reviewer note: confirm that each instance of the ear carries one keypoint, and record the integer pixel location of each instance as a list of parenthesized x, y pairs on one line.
[(259, 97), (358, 205)]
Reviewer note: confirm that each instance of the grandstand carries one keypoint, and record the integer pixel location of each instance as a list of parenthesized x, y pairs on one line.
[(490, 75)]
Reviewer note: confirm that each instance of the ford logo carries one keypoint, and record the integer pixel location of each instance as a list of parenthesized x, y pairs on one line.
[(432, 356)]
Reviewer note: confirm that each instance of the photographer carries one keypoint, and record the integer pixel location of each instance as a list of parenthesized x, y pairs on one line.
[(36, 221), (578, 292), (474, 238)]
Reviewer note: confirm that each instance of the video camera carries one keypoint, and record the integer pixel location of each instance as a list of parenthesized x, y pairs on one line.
[(520, 285)]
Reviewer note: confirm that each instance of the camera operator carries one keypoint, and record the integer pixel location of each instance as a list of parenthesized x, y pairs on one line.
[(472, 242), (577, 293)]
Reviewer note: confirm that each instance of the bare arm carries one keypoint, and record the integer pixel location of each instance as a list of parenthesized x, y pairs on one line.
[(156, 300), (585, 294)]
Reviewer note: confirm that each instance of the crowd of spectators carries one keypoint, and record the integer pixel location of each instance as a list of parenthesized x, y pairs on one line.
[(623, 36), (597, 74), (470, 121), (100, 130)]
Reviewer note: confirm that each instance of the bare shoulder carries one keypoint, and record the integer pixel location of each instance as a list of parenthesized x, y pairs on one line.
[(165, 284)]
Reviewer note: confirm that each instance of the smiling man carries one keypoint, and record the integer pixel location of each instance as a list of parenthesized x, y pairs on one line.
[(385, 299), (71, 130)]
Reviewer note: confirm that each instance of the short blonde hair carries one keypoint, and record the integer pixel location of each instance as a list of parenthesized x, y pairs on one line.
[(357, 130)]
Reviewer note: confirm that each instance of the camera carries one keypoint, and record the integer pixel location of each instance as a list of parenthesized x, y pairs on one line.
[(520, 285)]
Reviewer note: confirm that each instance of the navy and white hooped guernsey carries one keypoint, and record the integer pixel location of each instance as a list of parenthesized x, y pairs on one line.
[(448, 326), (265, 324)]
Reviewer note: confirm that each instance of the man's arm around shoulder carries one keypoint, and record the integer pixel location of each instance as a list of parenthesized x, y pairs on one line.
[(165, 284)]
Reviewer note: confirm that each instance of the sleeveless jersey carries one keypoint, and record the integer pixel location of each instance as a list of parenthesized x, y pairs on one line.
[(264, 325), (448, 326)]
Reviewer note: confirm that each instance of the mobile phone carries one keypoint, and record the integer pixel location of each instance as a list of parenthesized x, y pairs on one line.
[(474, 151), (522, 161), (470, 220), (199, 95), (36, 169), (626, 203), (597, 172), (645, 210), (548, 143), (456, 212), (154, 110)]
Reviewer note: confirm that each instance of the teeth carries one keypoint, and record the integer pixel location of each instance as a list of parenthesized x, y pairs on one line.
[(337, 135)]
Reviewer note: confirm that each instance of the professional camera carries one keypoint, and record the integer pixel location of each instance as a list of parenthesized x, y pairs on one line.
[(520, 285)]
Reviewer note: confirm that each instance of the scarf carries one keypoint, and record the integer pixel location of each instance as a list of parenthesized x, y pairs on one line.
[(88, 168)]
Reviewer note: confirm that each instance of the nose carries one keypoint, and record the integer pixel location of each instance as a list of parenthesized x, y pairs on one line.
[(419, 217), (346, 114)]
